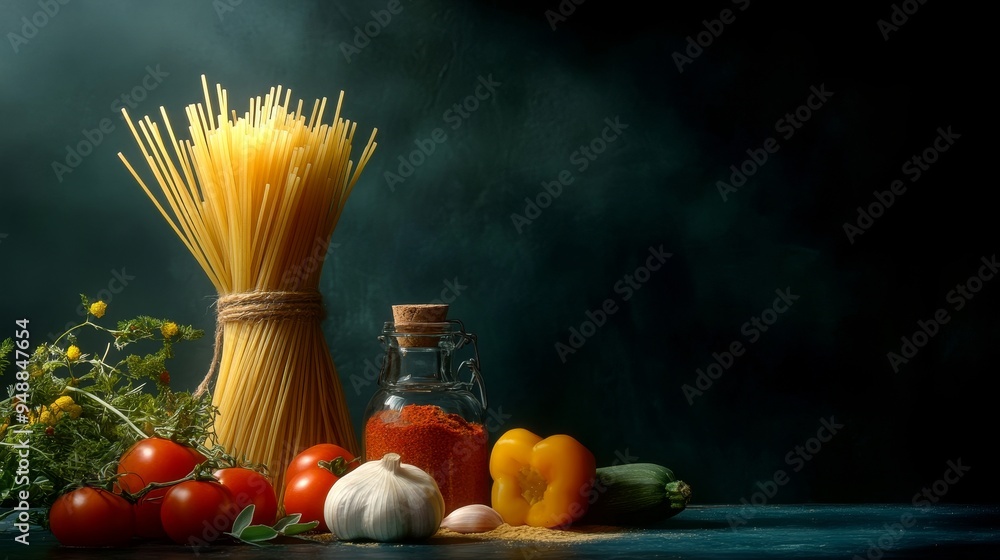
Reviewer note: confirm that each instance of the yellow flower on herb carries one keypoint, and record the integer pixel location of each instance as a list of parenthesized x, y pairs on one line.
[(98, 308), (34, 370), (72, 353), (66, 405), (3, 429), (45, 417), (51, 414), (169, 329)]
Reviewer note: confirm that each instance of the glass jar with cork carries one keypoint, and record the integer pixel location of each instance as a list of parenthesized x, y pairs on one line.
[(424, 411)]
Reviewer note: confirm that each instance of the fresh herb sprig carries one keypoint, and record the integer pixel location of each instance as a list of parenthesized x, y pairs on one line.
[(258, 535)]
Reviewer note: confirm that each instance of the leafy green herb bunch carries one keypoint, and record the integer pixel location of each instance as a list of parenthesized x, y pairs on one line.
[(72, 410)]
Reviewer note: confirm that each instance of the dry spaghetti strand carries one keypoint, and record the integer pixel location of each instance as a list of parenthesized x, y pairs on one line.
[(253, 198)]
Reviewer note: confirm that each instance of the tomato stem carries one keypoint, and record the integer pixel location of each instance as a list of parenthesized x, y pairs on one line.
[(218, 457), (198, 473), (338, 466)]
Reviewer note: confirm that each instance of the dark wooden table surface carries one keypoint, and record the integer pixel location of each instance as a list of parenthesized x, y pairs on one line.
[(796, 531)]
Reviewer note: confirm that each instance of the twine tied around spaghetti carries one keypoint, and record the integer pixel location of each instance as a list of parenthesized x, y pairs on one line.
[(260, 306)]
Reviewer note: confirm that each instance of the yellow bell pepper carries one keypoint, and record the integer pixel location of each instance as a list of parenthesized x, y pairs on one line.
[(541, 482)]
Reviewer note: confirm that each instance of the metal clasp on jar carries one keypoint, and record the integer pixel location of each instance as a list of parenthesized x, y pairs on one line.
[(473, 363)]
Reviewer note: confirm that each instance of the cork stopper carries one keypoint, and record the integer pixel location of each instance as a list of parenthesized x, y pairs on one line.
[(418, 318)]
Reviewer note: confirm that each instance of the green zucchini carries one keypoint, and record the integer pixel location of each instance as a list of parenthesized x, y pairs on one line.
[(636, 494)]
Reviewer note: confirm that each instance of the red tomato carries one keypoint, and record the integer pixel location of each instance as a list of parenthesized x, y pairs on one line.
[(306, 494), (154, 460), (91, 517), (251, 487), (310, 458), (197, 512)]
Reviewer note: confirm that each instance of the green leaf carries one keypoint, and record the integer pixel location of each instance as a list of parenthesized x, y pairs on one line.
[(286, 521), (243, 520), (296, 528), (257, 533)]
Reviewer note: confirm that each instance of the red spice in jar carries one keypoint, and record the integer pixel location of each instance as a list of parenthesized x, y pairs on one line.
[(446, 446)]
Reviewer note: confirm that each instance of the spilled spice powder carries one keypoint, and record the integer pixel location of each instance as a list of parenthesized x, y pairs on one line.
[(525, 533), (511, 534), (446, 446)]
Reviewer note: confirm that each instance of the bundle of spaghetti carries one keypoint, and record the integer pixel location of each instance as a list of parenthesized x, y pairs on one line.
[(255, 198)]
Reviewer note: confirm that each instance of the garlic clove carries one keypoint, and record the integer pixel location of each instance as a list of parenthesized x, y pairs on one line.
[(474, 518)]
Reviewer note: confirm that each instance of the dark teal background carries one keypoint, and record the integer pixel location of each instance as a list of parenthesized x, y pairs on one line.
[(654, 186)]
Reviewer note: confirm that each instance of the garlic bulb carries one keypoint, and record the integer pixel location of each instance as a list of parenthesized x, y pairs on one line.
[(473, 518), (384, 501)]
